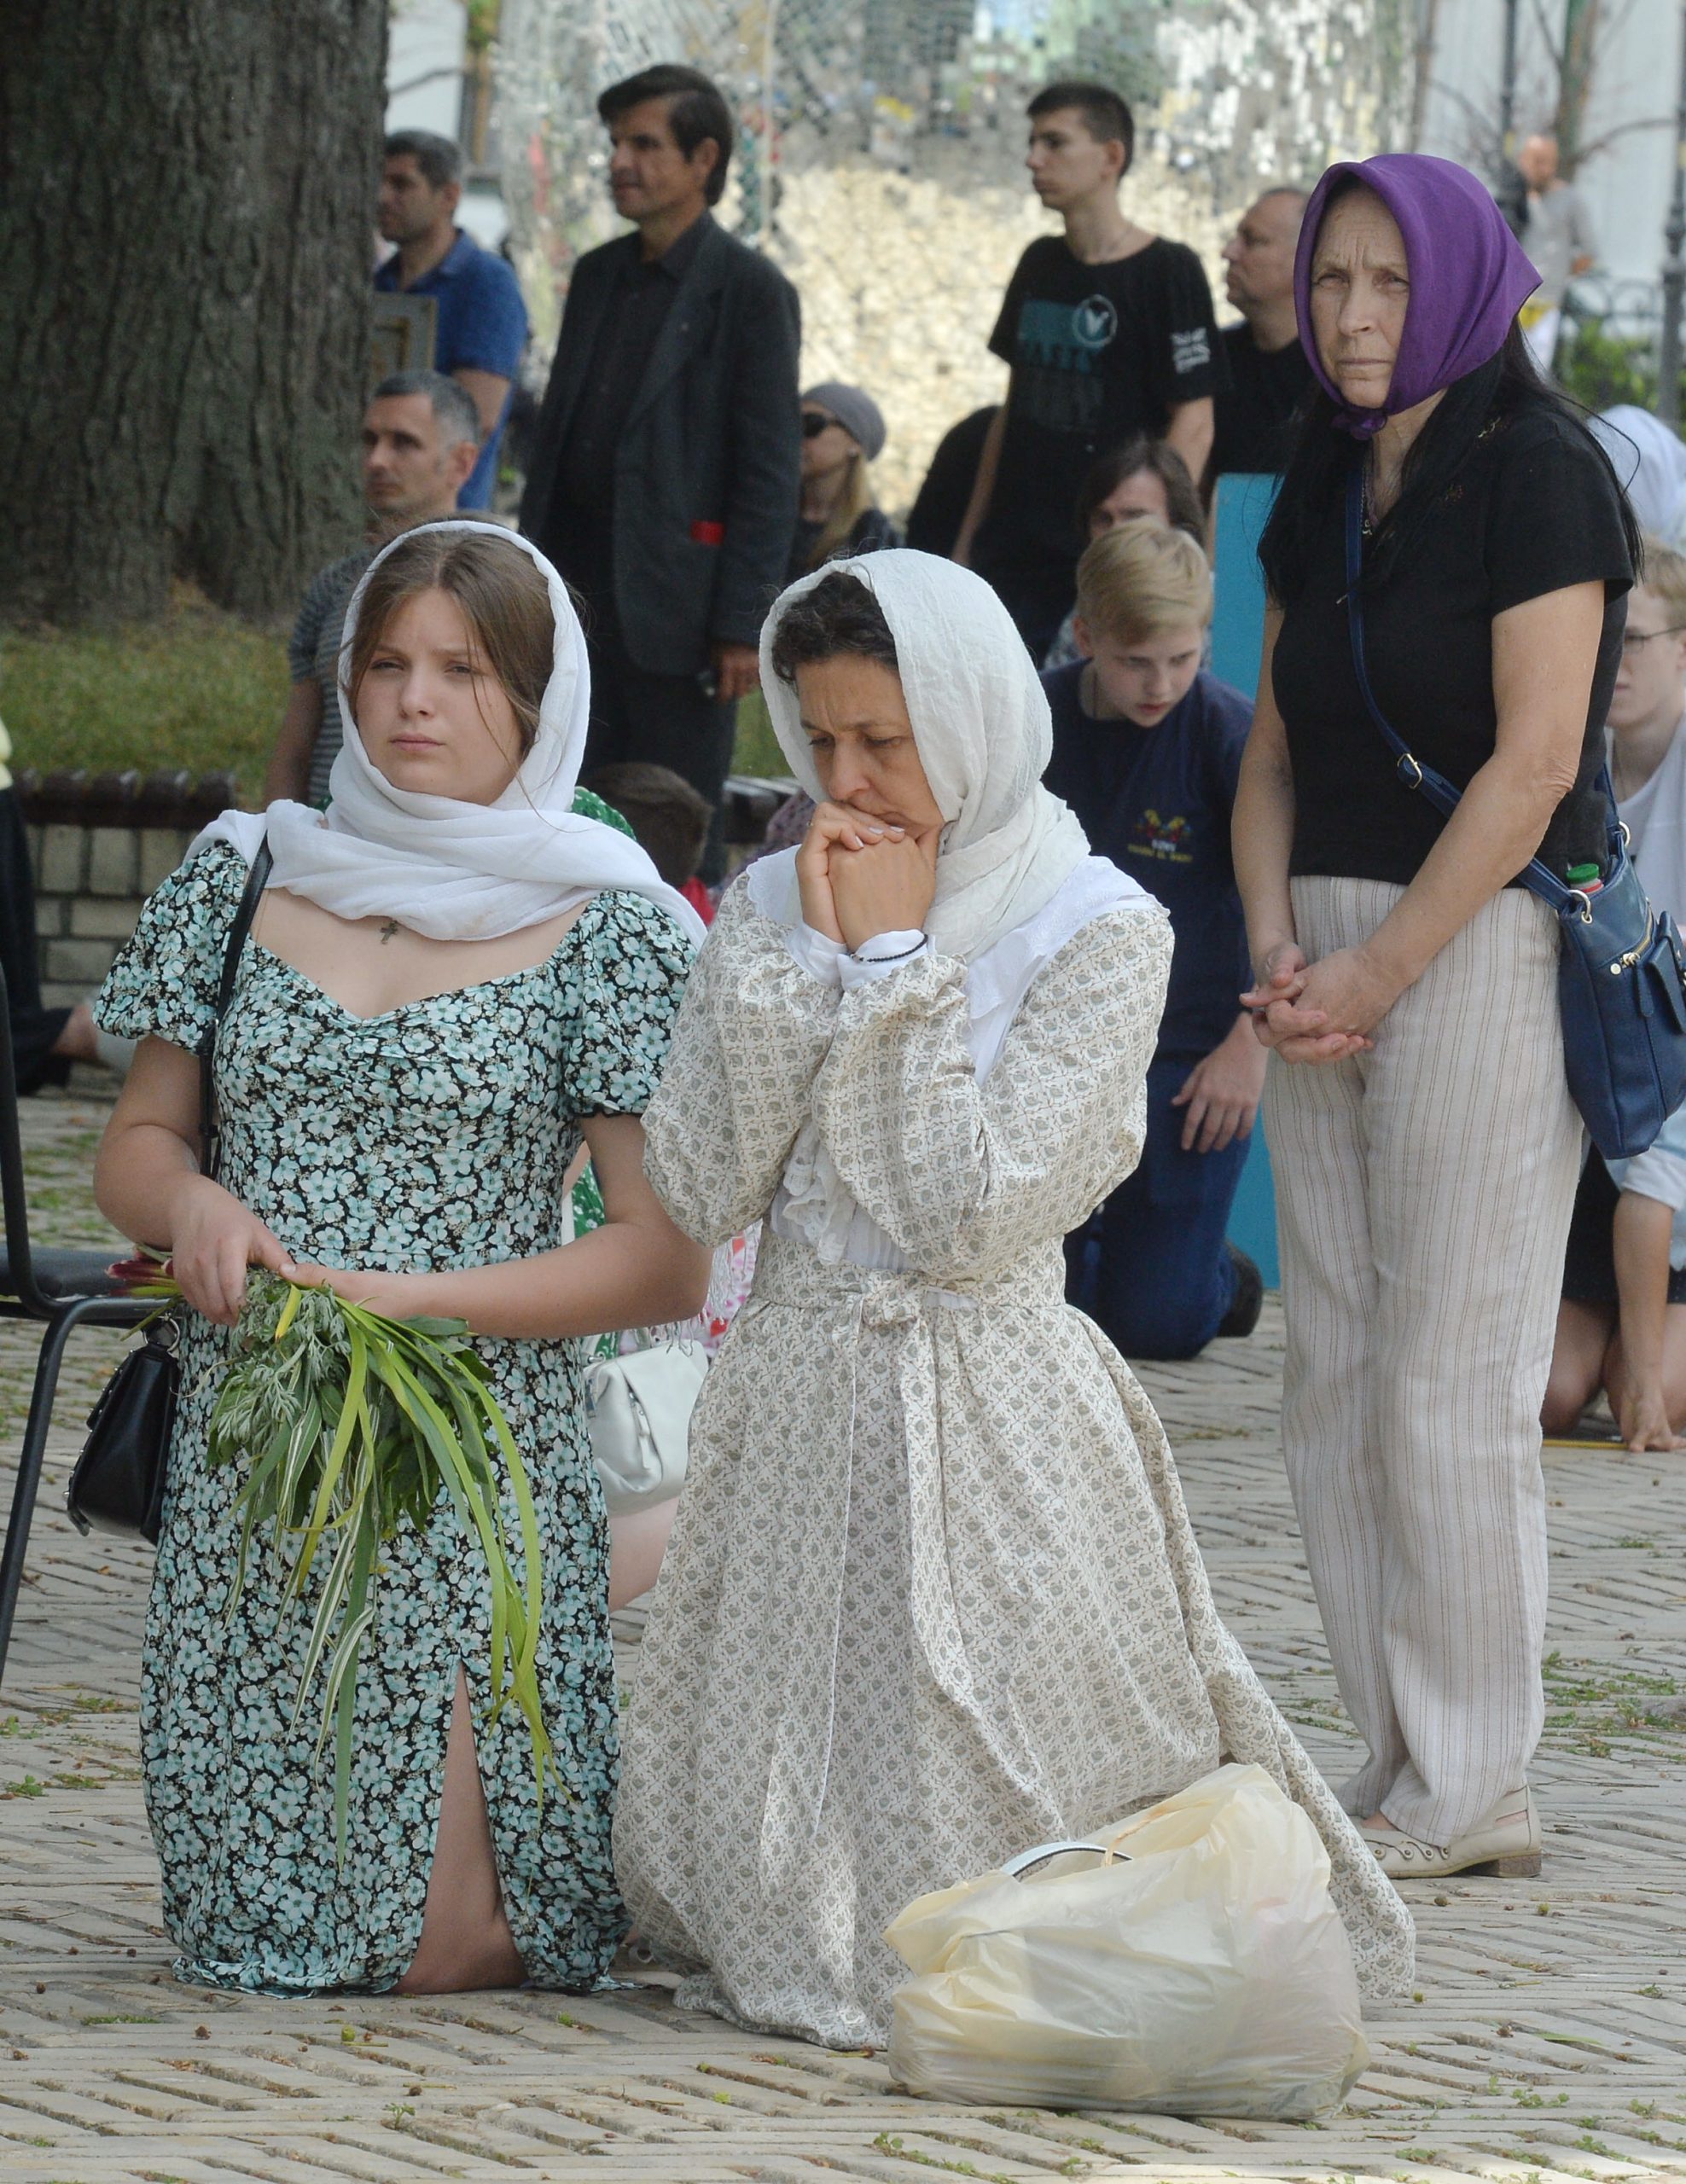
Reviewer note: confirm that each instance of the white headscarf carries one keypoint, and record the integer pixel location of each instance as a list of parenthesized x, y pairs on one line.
[(1015, 881), (451, 870), (981, 723), (1650, 463)]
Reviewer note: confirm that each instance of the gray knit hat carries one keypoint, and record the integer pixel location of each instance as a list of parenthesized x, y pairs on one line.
[(856, 412)]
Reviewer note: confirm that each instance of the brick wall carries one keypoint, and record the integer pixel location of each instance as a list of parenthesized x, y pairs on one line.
[(99, 847), (89, 885)]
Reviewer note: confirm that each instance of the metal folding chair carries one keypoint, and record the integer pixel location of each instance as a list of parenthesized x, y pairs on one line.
[(62, 1290)]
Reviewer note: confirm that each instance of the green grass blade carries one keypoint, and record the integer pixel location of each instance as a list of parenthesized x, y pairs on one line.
[(525, 1606), (302, 1448), (520, 1485), (340, 1701), (333, 1598), (432, 1422), (352, 1415)]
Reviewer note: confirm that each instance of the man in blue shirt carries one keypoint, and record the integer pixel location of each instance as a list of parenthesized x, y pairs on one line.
[(1147, 751), (482, 323)]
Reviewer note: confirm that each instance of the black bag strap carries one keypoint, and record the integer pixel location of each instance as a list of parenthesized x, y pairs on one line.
[(210, 1133), (1539, 879)]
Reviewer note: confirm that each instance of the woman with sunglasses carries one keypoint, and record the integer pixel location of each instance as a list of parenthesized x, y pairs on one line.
[(843, 434)]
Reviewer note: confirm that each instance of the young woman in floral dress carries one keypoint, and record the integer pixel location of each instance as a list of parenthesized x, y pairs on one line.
[(450, 982)]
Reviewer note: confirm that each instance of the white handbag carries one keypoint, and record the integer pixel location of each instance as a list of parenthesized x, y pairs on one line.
[(639, 1409)]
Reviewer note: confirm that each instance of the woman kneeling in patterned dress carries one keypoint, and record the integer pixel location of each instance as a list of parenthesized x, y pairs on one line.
[(451, 981), (933, 1596)]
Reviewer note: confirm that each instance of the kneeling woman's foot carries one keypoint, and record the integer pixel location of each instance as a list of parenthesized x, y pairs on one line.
[(1243, 1316), (1506, 1843)]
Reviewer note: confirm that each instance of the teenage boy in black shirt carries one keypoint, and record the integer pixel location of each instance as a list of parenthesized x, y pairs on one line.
[(1108, 330)]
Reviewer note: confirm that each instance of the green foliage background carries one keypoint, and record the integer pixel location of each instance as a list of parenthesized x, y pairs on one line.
[(199, 691), (1600, 368)]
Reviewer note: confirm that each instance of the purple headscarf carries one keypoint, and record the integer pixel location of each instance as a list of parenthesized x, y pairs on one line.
[(1468, 277)]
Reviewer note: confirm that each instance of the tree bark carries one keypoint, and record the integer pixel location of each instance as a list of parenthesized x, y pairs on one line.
[(1578, 67), (187, 193)]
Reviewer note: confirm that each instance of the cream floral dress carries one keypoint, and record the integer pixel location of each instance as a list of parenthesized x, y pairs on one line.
[(933, 1596)]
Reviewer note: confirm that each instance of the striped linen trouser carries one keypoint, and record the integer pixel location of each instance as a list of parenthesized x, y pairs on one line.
[(1423, 1192)]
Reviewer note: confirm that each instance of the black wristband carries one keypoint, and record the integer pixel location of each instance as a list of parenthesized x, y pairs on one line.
[(900, 957)]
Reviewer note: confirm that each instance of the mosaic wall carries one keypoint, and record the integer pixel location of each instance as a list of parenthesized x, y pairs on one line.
[(882, 145)]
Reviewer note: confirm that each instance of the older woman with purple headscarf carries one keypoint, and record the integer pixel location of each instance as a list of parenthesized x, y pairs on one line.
[(1425, 1144)]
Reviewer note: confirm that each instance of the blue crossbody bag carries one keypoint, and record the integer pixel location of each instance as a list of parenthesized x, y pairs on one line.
[(1621, 983)]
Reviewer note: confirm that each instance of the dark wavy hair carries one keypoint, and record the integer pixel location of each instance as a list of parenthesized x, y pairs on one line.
[(838, 617), (1507, 386)]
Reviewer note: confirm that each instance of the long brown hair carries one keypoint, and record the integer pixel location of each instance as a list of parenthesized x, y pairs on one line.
[(505, 602)]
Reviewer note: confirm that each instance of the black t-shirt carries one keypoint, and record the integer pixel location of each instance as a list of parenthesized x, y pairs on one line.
[(1253, 415), (1533, 508), (1157, 801), (1097, 352)]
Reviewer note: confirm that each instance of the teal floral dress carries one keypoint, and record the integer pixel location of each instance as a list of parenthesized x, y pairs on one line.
[(437, 1135)]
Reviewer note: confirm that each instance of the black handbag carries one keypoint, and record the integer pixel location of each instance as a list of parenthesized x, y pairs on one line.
[(1621, 980), (118, 1484)]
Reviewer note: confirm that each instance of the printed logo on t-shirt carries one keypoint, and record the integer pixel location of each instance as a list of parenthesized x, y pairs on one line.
[(1169, 841), (1190, 352), (1095, 322), (1066, 337)]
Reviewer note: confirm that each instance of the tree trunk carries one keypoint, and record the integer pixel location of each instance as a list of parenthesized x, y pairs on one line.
[(1580, 56), (1422, 67), (187, 193)]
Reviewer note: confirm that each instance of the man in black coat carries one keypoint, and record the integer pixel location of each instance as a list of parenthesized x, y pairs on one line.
[(666, 461)]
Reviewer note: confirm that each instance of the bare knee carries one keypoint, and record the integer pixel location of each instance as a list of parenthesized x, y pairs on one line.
[(466, 1943), (1578, 1361), (457, 1965), (1566, 1396)]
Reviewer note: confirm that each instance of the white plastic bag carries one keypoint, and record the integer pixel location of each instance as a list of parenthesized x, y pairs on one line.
[(1203, 1971)]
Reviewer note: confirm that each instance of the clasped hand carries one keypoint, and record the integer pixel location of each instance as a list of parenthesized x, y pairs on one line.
[(861, 875), (1320, 1011)]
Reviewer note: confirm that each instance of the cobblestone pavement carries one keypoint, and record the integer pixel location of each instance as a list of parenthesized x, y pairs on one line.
[(1547, 2037)]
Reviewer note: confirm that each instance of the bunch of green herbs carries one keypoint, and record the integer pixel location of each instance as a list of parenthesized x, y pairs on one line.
[(351, 1423)]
